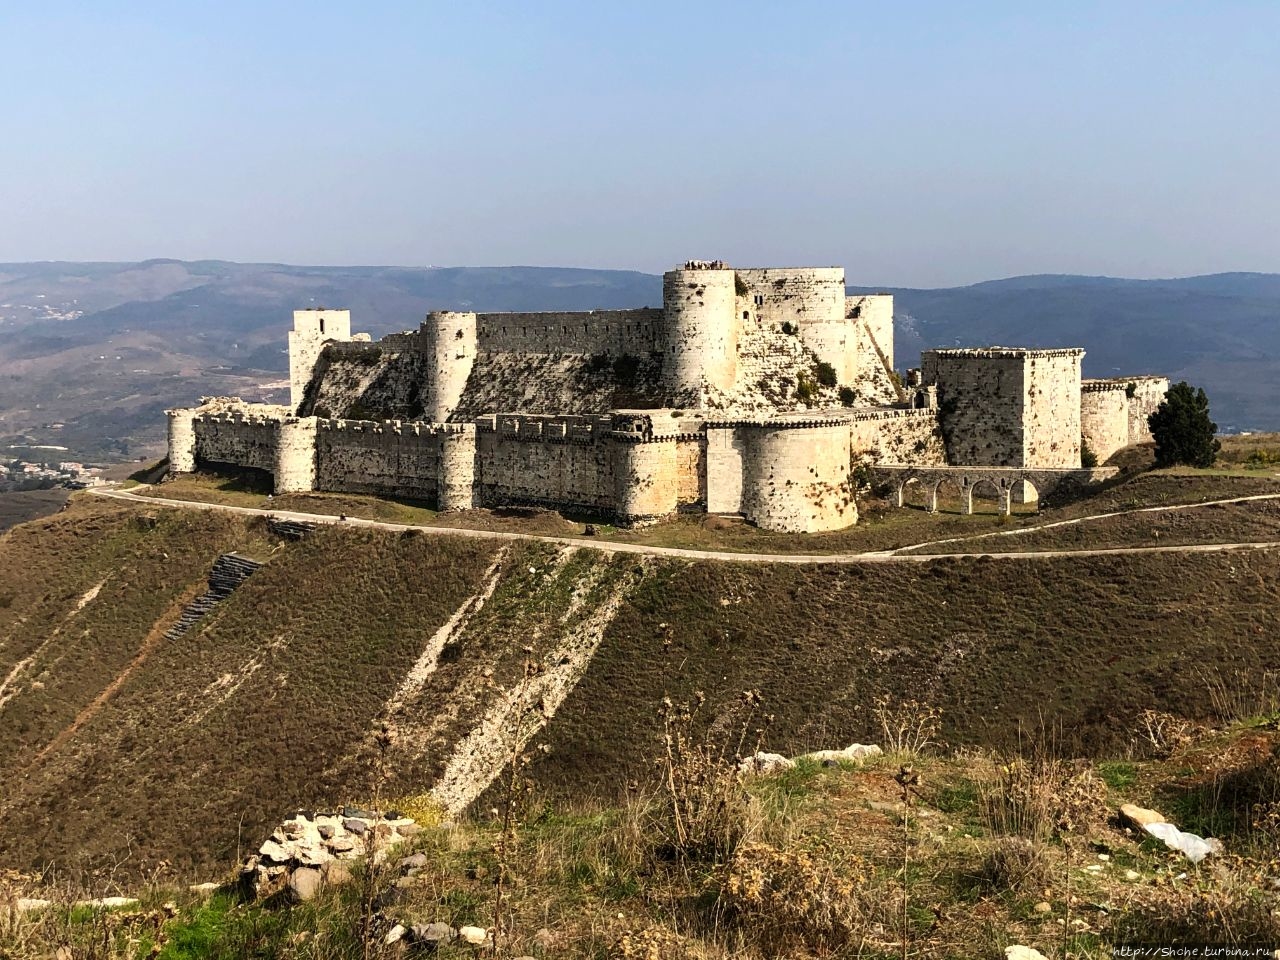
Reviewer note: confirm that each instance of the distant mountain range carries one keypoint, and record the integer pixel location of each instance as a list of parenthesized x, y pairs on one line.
[(92, 353)]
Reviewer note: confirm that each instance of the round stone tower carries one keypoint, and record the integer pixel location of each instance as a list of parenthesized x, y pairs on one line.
[(182, 441), (796, 476), (645, 483), (702, 328), (449, 342), (455, 489)]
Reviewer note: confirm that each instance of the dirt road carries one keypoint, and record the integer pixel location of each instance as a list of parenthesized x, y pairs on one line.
[(884, 556)]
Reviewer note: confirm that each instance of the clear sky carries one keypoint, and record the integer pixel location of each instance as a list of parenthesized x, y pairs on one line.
[(914, 143)]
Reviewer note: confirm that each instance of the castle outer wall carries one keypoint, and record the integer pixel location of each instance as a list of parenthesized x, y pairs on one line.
[(1113, 413), (719, 402)]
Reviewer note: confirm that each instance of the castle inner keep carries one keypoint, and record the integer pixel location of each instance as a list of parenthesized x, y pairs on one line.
[(750, 392)]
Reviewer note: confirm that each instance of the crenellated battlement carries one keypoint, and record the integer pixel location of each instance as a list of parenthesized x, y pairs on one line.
[(417, 428), (1007, 353)]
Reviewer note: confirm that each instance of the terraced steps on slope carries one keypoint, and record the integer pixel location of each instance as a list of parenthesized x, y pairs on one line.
[(229, 571)]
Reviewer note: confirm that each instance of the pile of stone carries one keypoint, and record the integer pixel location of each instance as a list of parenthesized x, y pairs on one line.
[(309, 850), (434, 935)]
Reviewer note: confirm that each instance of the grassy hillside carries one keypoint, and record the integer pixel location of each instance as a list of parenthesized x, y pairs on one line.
[(818, 861), (217, 732), (114, 741)]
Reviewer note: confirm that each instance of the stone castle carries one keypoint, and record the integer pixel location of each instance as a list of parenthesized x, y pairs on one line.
[(764, 393)]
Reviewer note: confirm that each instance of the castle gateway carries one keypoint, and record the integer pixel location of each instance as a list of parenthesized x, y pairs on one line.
[(754, 392)]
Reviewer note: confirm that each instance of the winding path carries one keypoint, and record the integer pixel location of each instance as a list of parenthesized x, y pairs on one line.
[(896, 555)]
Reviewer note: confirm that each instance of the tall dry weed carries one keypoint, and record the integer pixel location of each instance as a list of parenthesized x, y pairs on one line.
[(818, 897), (1040, 796), (1244, 695), (907, 726), (703, 811)]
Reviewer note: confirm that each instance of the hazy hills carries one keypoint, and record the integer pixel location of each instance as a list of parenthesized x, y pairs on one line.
[(103, 348), (1220, 331)]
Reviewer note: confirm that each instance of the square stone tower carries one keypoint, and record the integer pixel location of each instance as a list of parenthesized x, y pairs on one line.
[(312, 329), (1008, 406)]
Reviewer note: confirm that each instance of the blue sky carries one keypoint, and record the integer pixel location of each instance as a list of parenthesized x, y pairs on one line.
[(914, 143)]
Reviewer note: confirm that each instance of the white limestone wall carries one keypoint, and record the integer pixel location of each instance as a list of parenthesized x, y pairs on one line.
[(548, 461), (295, 469), (182, 441), (449, 340), (725, 449), (1008, 406), (647, 480), (1104, 417), (457, 464), (872, 319), (980, 398), (796, 478), (691, 472), (1148, 394), (1051, 416), (604, 332), (897, 436), (311, 330), (236, 440), (702, 329), (812, 301), (386, 458)]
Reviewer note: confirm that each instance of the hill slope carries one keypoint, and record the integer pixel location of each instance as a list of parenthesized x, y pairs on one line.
[(113, 738)]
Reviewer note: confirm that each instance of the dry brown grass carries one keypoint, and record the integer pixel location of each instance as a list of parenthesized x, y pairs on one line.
[(312, 645), (582, 881)]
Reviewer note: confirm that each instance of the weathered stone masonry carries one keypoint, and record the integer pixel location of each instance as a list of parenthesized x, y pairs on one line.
[(721, 401), (1113, 413)]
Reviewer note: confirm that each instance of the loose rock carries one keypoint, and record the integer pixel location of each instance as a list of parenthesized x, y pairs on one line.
[(473, 935), (303, 844), (304, 883), (765, 763), (1140, 816), (433, 933)]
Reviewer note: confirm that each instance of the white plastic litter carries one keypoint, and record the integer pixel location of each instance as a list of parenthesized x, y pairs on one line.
[(1195, 848)]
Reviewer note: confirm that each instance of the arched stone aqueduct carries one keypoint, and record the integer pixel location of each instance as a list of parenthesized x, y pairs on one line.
[(970, 479)]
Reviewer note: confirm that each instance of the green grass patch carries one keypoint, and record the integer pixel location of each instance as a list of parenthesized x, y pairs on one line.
[(1118, 775)]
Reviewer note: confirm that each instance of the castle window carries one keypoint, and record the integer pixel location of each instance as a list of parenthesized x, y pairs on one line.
[(746, 314), (458, 335), (322, 324), (759, 299)]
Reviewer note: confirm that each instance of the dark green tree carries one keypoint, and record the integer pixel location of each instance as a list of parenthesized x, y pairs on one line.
[(1182, 429)]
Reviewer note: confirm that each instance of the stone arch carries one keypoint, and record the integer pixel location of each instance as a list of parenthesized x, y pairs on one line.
[(984, 488), (928, 496), (1026, 489)]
